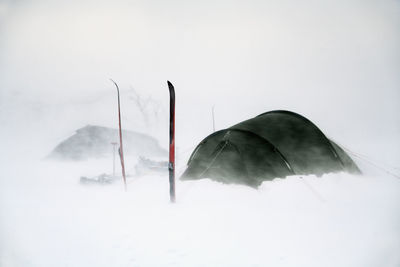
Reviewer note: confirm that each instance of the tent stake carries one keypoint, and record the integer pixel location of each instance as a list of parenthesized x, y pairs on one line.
[(213, 119)]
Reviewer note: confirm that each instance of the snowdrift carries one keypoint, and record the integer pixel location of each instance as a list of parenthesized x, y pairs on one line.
[(48, 219)]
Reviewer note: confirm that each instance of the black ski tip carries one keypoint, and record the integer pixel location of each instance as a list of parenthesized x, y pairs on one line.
[(170, 85)]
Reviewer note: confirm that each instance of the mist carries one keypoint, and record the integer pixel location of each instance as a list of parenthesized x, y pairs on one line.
[(335, 62)]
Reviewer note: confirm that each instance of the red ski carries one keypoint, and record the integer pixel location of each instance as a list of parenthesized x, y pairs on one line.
[(121, 151), (171, 165)]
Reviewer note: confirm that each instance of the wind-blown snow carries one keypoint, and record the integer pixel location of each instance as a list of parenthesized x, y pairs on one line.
[(49, 219), (335, 62)]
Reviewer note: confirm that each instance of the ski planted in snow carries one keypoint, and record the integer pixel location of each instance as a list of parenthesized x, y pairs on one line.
[(120, 150), (171, 164)]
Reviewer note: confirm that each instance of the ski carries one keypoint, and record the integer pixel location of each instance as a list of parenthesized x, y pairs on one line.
[(171, 164), (121, 151)]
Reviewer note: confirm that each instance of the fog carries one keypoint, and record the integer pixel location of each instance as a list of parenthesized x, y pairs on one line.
[(335, 62)]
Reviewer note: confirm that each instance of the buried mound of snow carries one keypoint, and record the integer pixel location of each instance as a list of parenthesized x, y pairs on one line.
[(95, 141), (274, 144)]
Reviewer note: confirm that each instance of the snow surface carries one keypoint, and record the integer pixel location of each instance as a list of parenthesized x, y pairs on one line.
[(49, 219)]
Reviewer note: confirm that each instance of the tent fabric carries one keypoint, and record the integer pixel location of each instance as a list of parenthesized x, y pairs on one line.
[(272, 145)]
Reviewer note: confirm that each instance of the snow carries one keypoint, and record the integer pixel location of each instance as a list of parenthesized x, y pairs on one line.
[(335, 62), (49, 219)]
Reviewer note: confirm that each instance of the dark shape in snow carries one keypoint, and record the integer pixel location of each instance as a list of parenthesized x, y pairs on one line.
[(148, 166), (103, 179), (95, 142), (143, 167), (272, 145)]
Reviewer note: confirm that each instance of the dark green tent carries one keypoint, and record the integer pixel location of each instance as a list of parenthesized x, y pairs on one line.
[(274, 144)]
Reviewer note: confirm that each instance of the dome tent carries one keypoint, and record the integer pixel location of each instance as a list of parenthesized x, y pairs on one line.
[(272, 145)]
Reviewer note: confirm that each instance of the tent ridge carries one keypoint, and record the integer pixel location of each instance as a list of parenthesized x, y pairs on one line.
[(276, 150), (326, 140)]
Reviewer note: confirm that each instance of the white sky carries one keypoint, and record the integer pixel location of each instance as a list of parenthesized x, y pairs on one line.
[(336, 62)]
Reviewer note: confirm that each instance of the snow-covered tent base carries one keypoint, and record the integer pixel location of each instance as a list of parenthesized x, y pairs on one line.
[(272, 145)]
